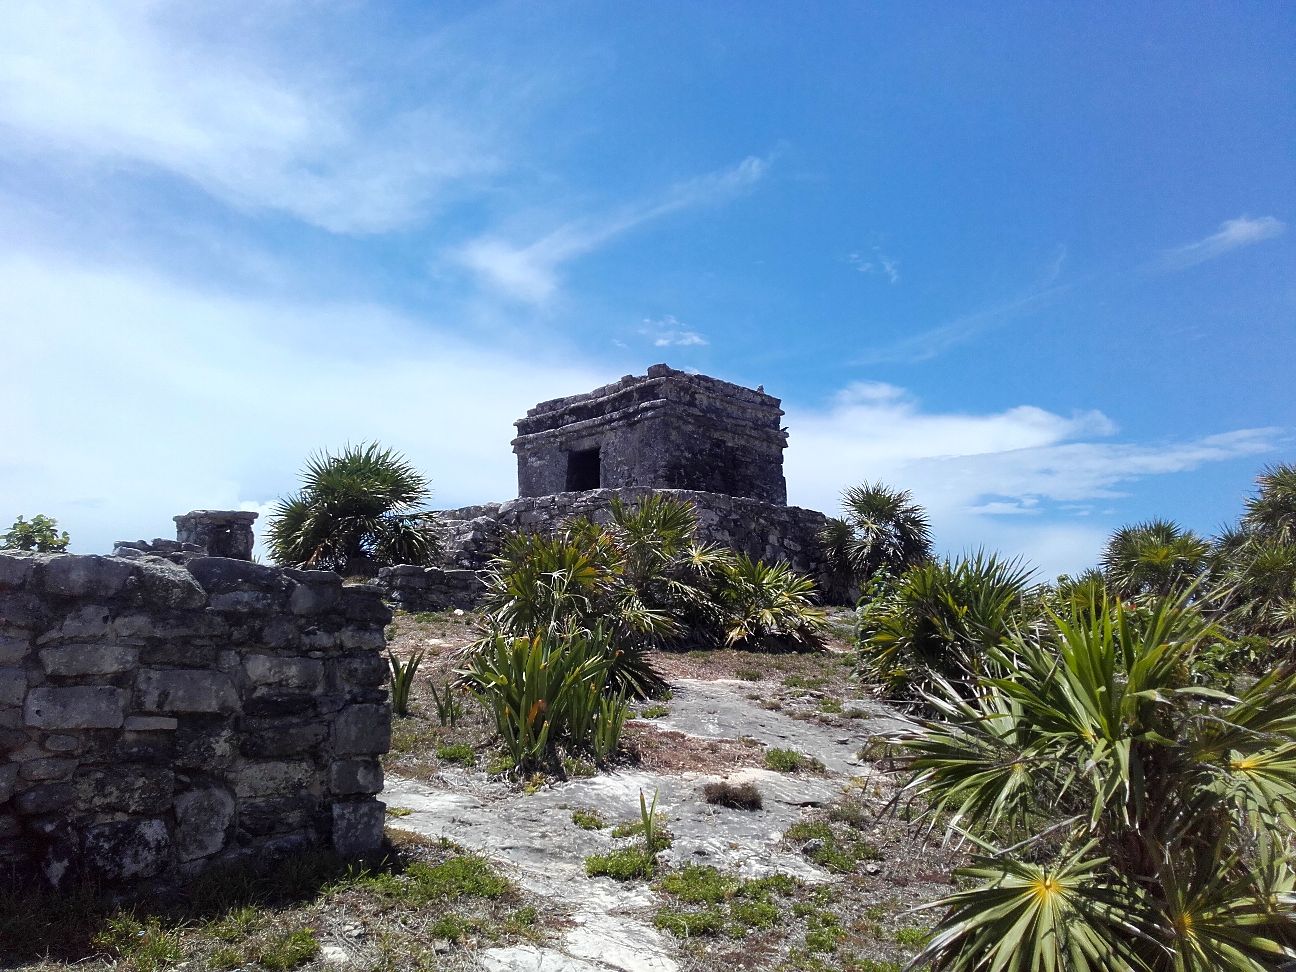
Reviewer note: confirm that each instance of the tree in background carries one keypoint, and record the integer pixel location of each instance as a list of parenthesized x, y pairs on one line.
[(1156, 558), (356, 511), (40, 534), (881, 530)]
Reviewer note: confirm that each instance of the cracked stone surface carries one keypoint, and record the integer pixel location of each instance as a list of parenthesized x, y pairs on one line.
[(534, 839)]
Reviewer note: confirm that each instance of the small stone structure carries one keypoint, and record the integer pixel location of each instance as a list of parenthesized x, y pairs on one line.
[(430, 588), (222, 533), (668, 430), (158, 717)]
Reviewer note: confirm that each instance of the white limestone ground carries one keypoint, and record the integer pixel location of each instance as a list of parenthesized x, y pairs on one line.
[(534, 839)]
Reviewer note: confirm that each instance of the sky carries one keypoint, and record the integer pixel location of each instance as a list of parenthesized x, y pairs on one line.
[(1032, 262)]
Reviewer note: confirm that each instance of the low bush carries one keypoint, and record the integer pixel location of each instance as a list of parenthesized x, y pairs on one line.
[(791, 761), (736, 796)]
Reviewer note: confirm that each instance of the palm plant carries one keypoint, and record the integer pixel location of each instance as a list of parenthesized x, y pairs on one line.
[(881, 530), (1156, 817), (1154, 558), (938, 620), (1271, 513), (769, 604), (359, 509)]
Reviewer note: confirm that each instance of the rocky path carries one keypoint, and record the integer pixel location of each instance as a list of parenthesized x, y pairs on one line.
[(610, 923)]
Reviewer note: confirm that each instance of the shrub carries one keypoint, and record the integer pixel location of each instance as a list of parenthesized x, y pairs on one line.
[(1156, 558), (768, 605), (356, 511), (790, 761), (1154, 816), (39, 534), (402, 680), (882, 531), (939, 620), (736, 796)]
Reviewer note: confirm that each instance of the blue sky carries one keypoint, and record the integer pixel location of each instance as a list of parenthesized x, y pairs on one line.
[(1032, 262)]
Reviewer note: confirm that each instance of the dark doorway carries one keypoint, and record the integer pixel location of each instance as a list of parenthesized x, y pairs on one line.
[(583, 469)]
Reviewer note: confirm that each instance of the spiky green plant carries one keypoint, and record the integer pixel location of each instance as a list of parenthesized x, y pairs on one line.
[(881, 530), (448, 709), (768, 604), (1271, 512), (401, 674), (1155, 558), (363, 508), (1155, 817), (938, 620)]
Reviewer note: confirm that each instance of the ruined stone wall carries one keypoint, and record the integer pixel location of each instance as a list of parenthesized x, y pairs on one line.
[(666, 430), (472, 535), (159, 717), (413, 588)]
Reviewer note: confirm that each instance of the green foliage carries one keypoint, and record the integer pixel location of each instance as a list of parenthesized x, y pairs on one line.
[(1156, 558), (840, 853), (767, 605), (625, 864), (791, 761), (463, 876), (882, 531), (1154, 816), (39, 534), (547, 693), (588, 820), (401, 675), (938, 621), (460, 753), (448, 709), (358, 510), (288, 950), (145, 945)]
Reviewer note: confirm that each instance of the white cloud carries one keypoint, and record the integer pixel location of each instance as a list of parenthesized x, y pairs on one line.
[(129, 84), (876, 263), (999, 479), (670, 332), (529, 271), (1232, 234), (138, 399)]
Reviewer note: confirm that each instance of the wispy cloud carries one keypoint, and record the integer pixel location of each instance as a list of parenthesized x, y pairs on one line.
[(876, 262), (133, 86), (529, 271), (1232, 234), (670, 332), (1016, 478)]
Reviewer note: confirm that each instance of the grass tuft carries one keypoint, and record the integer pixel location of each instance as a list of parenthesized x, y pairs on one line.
[(622, 865), (740, 796), (791, 761)]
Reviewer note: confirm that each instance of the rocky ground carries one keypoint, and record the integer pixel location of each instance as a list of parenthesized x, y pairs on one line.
[(829, 825)]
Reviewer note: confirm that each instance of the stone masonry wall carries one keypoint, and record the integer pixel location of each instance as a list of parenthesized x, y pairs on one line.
[(472, 535), (157, 718)]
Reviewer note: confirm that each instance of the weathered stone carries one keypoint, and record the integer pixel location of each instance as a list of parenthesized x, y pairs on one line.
[(15, 569), (269, 738), (364, 670), (88, 575), (13, 649), (203, 816), (243, 601), (75, 707), (205, 744), (13, 686), (169, 585), (62, 744), (301, 674), (350, 776), (51, 768), (129, 849), (126, 789), (8, 777), (222, 533), (276, 815), (86, 621), (150, 723), (362, 729), (363, 602), (184, 690), (272, 778), (88, 659), (44, 798), (21, 610), (9, 827), (220, 575), (311, 599), (358, 827)]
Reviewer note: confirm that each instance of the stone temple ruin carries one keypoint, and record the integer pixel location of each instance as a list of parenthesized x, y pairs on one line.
[(713, 443)]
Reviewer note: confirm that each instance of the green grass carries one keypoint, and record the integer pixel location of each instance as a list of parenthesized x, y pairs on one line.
[(460, 753), (288, 950), (653, 712), (588, 820), (749, 674), (500, 765), (837, 853), (698, 884), (465, 876), (398, 812), (912, 937), (754, 914), (622, 865), (829, 705), (145, 945), (791, 761), (690, 924)]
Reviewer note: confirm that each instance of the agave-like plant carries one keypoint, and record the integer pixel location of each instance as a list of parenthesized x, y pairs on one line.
[(1157, 816), (939, 619), (769, 605), (363, 508)]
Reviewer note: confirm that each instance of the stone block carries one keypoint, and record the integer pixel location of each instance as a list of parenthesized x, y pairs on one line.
[(13, 649), (21, 610), (273, 778), (87, 621), (362, 729), (310, 599), (50, 768), (276, 815), (127, 849), (300, 674), (88, 658), (363, 602), (15, 570), (45, 798), (9, 827), (351, 776), (367, 670), (220, 575), (62, 744), (13, 686), (170, 586), (201, 743), (75, 707), (89, 575), (127, 788), (243, 601), (151, 723), (358, 827), (269, 738), (184, 690), (8, 777), (203, 817)]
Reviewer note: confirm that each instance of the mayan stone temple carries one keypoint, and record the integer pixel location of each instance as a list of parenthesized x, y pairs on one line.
[(713, 443)]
